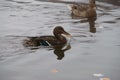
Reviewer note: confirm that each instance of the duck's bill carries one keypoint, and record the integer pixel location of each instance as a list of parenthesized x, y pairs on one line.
[(67, 36)]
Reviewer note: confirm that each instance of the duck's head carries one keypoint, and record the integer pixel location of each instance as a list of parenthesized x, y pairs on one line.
[(61, 34), (73, 7), (92, 3)]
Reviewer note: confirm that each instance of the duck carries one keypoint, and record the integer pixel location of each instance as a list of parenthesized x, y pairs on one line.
[(84, 10), (60, 37)]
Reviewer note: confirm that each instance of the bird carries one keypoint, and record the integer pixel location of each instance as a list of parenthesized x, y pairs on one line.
[(84, 10), (60, 37)]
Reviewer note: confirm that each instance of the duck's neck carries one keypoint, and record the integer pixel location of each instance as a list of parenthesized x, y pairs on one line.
[(61, 38), (92, 3)]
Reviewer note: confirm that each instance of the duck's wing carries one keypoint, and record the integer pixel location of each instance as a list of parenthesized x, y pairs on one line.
[(83, 7), (45, 40), (37, 41), (42, 37)]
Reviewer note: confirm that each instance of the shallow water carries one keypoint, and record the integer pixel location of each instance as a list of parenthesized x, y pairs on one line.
[(93, 50)]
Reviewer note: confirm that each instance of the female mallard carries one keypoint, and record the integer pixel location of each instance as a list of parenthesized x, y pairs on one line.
[(60, 38), (84, 10)]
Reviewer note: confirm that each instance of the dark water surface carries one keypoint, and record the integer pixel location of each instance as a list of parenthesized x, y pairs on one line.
[(94, 50)]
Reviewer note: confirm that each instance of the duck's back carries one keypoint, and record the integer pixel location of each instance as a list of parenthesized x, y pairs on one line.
[(42, 41)]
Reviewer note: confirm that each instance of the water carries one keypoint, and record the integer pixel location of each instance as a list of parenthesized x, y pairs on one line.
[(93, 50)]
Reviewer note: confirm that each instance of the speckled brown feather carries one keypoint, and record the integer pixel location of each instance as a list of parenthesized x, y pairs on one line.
[(84, 10)]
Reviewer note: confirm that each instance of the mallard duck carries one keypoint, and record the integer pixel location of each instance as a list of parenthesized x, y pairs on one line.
[(84, 10), (60, 37)]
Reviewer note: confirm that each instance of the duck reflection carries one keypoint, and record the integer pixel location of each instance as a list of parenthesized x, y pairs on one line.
[(59, 51), (92, 25), (90, 20)]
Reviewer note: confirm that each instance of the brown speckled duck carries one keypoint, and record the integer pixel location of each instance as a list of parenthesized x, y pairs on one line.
[(60, 37), (84, 10)]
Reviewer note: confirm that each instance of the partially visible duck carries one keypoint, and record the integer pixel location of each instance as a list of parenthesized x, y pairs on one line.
[(84, 10), (60, 37)]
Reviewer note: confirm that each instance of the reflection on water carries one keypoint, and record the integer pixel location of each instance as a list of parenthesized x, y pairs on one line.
[(58, 50), (90, 53), (90, 20), (92, 25)]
